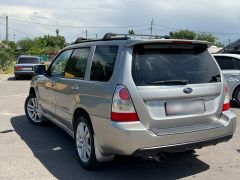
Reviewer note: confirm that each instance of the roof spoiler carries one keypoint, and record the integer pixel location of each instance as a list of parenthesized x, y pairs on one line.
[(173, 41)]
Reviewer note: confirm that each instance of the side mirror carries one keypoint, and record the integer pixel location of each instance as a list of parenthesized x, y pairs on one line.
[(39, 70)]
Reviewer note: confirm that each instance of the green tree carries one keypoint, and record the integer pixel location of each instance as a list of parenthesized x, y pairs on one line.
[(26, 44), (10, 44), (6, 58), (191, 35), (183, 34), (210, 38), (206, 37), (40, 45), (131, 32)]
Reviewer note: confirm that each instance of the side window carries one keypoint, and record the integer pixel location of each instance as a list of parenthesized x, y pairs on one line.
[(103, 63), (58, 66), (225, 62), (76, 65), (236, 63)]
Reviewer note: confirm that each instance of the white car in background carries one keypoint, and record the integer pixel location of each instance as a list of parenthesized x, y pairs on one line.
[(230, 65)]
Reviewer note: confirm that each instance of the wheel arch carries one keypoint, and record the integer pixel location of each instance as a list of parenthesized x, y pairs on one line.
[(78, 112), (32, 91), (234, 91)]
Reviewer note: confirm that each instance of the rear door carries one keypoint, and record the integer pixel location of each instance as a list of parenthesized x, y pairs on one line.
[(179, 85), (70, 85)]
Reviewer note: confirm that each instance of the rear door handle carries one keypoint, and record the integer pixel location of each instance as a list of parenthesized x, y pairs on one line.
[(233, 74)]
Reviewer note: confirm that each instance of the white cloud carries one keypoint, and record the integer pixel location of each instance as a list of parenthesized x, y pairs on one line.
[(198, 15)]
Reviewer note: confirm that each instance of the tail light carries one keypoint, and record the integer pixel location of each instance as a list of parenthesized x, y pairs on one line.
[(122, 106), (18, 68), (226, 104)]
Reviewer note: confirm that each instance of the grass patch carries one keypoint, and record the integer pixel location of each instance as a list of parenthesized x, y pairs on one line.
[(8, 70)]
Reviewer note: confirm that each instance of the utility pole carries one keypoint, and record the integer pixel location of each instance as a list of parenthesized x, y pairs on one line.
[(7, 28), (86, 34), (57, 32), (151, 27), (96, 36)]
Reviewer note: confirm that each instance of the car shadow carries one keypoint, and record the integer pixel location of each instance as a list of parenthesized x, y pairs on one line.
[(233, 104), (55, 150), (22, 78)]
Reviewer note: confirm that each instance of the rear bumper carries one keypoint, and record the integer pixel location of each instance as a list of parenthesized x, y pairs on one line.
[(135, 139), (182, 147), (24, 73)]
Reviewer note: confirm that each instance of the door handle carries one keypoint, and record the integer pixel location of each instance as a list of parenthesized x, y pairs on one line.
[(75, 87), (233, 74)]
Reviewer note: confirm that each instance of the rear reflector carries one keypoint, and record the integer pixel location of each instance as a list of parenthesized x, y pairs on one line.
[(226, 104), (124, 117), (226, 107)]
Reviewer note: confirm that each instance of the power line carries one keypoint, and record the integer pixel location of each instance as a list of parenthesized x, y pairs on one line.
[(86, 27)]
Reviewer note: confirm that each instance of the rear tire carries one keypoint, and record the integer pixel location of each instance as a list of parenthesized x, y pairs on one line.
[(32, 110), (84, 143), (17, 77), (237, 96)]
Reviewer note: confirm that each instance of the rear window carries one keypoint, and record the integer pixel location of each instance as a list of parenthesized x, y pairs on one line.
[(192, 64), (28, 60), (225, 62), (103, 63)]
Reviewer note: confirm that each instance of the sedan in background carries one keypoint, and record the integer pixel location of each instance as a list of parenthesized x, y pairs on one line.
[(24, 66), (230, 65)]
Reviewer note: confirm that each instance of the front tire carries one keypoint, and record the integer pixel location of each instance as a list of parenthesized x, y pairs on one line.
[(17, 77), (84, 143), (32, 110)]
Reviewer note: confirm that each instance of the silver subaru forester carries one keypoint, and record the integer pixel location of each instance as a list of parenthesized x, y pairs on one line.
[(122, 96)]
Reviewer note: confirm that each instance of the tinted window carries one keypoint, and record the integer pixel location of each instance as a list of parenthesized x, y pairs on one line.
[(28, 60), (171, 63), (236, 63), (103, 63), (225, 62), (59, 64), (76, 65)]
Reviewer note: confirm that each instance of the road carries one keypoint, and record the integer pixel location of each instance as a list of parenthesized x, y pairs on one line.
[(30, 152)]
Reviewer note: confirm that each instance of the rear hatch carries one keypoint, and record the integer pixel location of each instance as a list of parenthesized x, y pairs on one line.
[(179, 84), (26, 63)]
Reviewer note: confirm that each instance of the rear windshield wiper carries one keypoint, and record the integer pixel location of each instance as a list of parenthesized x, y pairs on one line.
[(171, 82), (216, 78)]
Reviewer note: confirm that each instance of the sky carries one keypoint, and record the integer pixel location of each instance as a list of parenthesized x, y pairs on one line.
[(32, 18)]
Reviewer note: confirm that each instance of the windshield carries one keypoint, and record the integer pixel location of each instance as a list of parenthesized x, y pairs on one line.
[(28, 60), (173, 65)]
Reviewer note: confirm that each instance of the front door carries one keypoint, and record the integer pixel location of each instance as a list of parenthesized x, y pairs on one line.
[(47, 84)]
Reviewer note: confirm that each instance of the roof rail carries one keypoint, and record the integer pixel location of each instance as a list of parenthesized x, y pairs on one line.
[(113, 36)]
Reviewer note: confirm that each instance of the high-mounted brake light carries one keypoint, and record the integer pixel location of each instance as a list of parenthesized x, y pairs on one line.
[(122, 106), (226, 104), (181, 42)]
